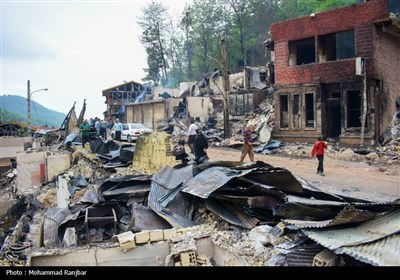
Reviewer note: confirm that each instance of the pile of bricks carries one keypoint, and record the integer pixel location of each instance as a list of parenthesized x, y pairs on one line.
[(153, 151), (129, 240)]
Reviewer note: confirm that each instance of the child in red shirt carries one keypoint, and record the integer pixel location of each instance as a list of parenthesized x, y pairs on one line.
[(318, 150)]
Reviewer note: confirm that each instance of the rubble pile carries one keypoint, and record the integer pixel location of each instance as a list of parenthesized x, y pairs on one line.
[(254, 214)]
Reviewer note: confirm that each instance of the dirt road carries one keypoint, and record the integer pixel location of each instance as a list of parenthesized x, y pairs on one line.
[(356, 179)]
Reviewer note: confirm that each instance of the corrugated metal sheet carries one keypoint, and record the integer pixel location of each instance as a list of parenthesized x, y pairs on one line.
[(277, 177), (261, 201), (380, 227), (52, 220), (309, 201), (303, 256), (315, 191), (170, 178), (305, 212), (348, 215), (179, 211), (145, 219), (137, 189), (210, 180), (180, 208), (384, 252), (231, 214)]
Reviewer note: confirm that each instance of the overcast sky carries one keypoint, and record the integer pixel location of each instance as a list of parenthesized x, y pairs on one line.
[(76, 49)]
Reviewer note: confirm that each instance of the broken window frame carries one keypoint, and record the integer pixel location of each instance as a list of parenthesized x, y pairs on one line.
[(296, 111), (305, 47), (336, 46), (310, 120), (284, 112)]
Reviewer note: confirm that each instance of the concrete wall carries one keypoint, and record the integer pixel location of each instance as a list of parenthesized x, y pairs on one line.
[(31, 168), (151, 114), (147, 255), (160, 90), (170, 104), (10, 146), (186, 86), (217, 84), (236, 80), (154, 254), (199, 107), (56, 164)]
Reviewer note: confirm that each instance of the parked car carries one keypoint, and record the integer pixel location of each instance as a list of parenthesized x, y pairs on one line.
[(131, 131)]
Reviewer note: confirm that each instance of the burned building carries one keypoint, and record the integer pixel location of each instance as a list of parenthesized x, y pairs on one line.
[(119, 96), (336, 73)]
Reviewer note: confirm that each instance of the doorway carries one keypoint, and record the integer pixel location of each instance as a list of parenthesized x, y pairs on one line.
[(333, 115)]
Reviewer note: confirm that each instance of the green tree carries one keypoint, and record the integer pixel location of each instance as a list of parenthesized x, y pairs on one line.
[(186, 24), (207, 28), (155, 25)]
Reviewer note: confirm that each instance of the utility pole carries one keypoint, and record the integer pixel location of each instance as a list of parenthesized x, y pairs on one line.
[(224, 52), (28, 99)]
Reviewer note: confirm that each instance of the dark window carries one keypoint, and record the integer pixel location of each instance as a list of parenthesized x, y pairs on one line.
[(284, 118), (353, 108), (345, 46), (310, 120), (394, 6), (296, 111), (302, 52)]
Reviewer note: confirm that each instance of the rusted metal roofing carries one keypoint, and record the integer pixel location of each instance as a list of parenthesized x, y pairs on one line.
[(348, 215), (384, 252), (210, 180), (380, 227)]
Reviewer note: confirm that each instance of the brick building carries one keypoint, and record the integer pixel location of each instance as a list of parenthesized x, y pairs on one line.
[(337, 73)]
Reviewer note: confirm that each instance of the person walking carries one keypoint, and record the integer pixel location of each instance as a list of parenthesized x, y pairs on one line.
[(319, 150), (248, 144), (191, 135), (200, 146), (118, 130), (84, 128)]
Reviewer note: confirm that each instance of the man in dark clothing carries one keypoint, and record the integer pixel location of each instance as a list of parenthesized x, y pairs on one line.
[(180, 153), (200, 146)]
